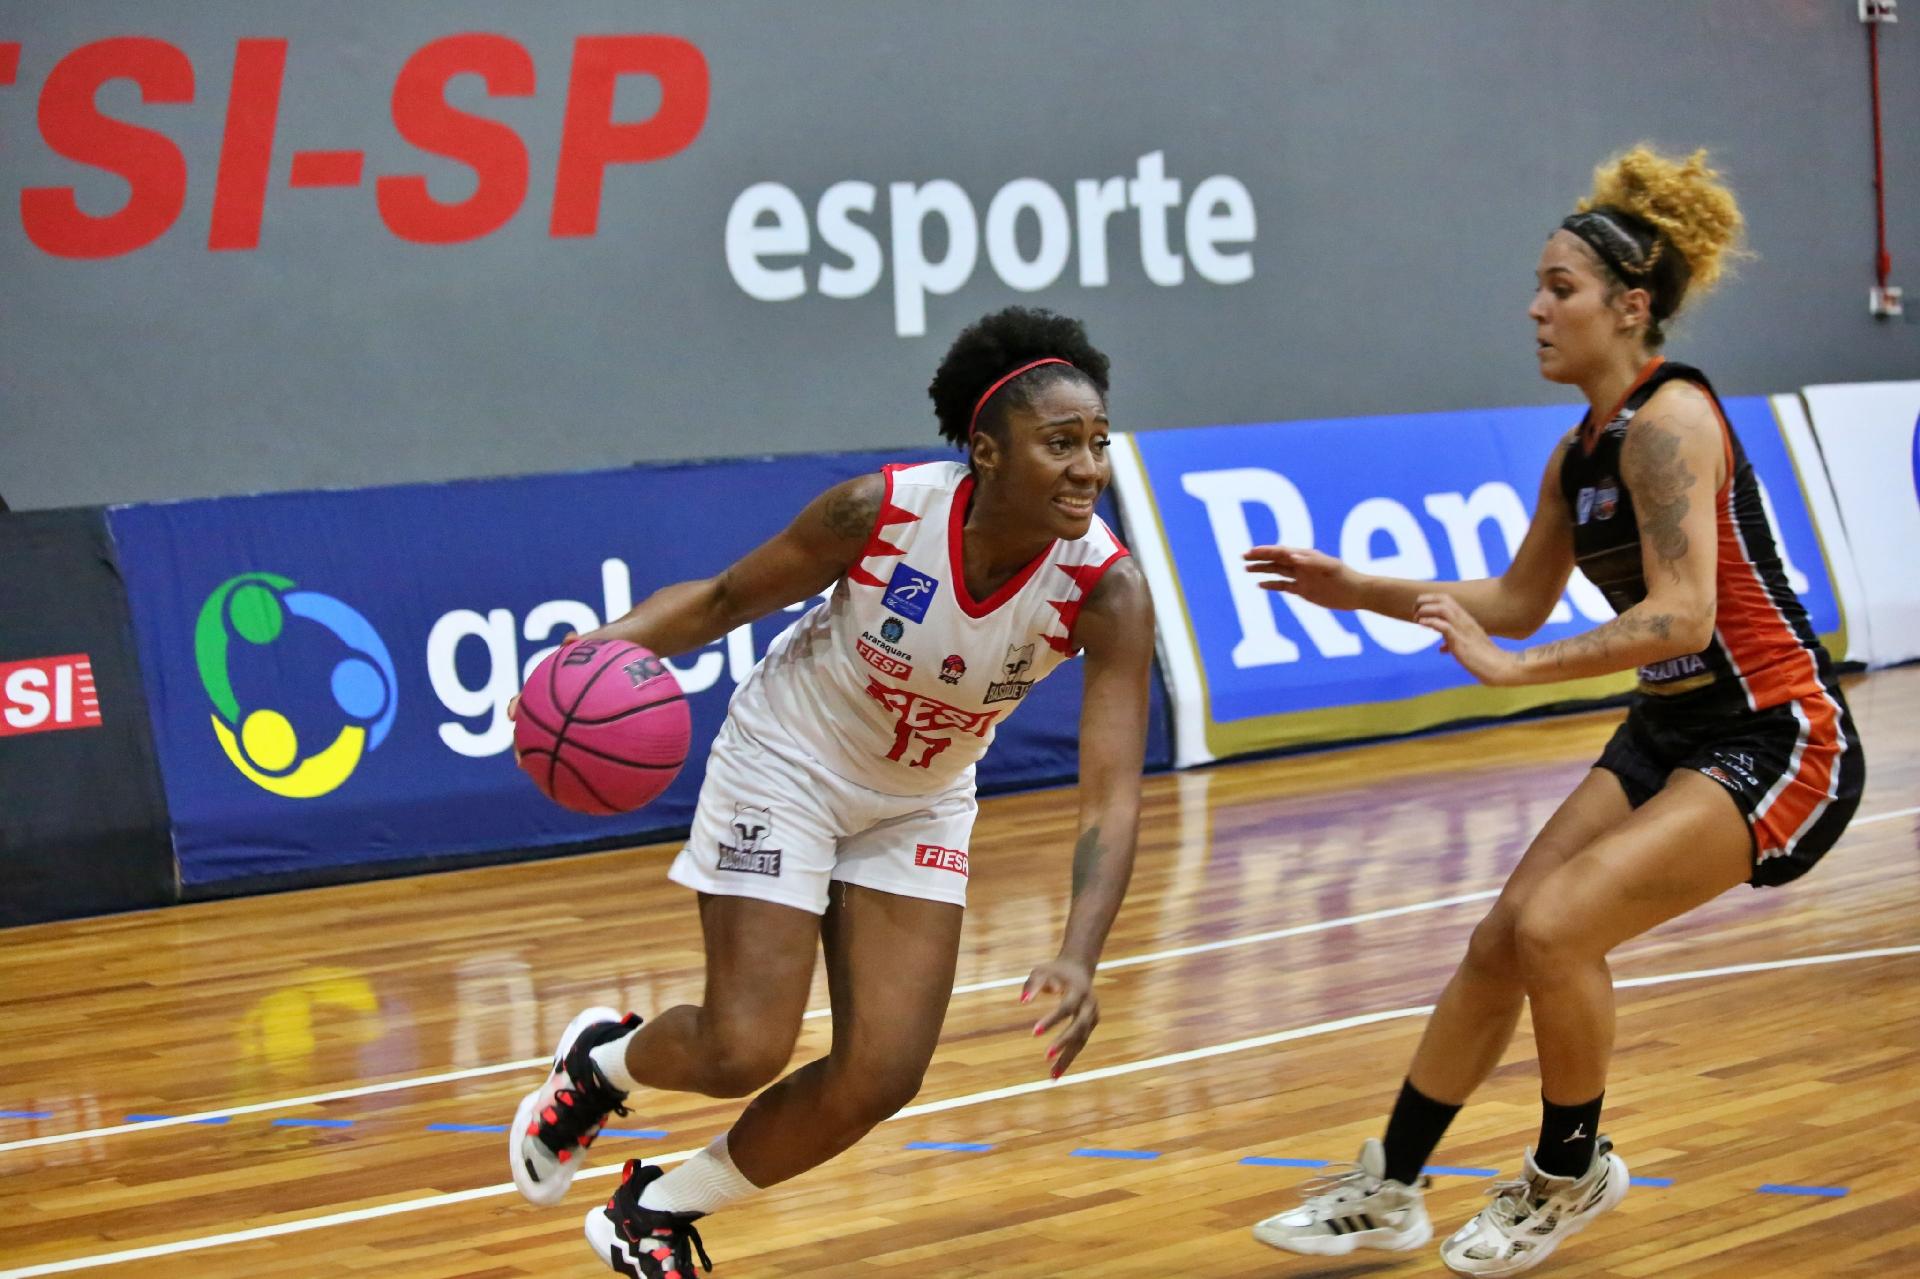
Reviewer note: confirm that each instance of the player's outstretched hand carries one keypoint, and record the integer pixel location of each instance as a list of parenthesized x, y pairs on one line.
[(1314, 576), (1078, 1009)]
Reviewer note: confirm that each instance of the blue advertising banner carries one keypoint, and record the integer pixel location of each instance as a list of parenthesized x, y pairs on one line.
[(329, 672), (1433, 496)]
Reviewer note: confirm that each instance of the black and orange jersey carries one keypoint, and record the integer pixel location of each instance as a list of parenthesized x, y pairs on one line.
[(1764, 651)]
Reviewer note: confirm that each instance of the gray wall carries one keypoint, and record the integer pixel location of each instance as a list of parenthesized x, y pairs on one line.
[(1403, 162)]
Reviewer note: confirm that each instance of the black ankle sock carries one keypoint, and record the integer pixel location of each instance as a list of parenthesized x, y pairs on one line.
[(1568, 1137), (1415, 1128)]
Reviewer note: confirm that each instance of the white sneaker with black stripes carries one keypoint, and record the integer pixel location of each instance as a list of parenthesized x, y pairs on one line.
[(1531, 1216), (1354, 1208)]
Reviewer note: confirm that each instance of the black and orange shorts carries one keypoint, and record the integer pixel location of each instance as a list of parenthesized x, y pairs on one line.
[(1795, 770)]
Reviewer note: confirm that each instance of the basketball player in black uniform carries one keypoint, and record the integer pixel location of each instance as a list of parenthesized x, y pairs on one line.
[(1738, 761)]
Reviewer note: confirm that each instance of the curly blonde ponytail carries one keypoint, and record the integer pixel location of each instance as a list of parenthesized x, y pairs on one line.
[(1686, 199)]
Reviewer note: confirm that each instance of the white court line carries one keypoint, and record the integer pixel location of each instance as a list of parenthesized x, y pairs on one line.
[(172, 1121), (535, 1063), (928, 1108)]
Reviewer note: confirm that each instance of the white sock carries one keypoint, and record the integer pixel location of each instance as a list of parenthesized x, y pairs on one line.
[(611, 1057), (707, 1182)]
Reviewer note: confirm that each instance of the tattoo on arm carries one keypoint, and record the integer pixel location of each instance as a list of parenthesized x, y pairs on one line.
[(850, 513), (1658, 477), (1628, 626), (1087, 852)]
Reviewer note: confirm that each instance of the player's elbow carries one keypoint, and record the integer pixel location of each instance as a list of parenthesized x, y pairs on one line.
[(1521, 615), (721, 602), (1687, 624), (1699, 627), (1520, 626)]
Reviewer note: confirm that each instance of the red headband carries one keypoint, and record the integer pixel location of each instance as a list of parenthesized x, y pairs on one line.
[(973, 423)]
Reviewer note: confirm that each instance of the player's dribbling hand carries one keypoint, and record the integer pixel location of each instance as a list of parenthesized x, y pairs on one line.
[(513, 703), (1079, 1008), (1314, 576)]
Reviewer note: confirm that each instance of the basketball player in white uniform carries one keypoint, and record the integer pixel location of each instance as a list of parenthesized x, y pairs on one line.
[(839, 796)]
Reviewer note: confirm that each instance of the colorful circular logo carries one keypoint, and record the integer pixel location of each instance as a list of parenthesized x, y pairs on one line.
[(253, 608)]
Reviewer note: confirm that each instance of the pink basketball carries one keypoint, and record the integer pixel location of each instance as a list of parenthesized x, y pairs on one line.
[(602, 727)]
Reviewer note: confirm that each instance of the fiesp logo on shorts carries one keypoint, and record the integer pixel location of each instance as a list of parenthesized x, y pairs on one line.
[(935, 857), (261, 609)]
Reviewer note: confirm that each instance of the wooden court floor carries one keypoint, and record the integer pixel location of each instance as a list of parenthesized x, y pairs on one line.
[(347, 1056)]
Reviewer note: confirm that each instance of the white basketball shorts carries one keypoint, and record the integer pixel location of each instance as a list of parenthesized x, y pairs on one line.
[(779, 827)]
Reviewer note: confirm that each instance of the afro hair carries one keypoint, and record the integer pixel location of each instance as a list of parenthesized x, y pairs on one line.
[(994, 346)]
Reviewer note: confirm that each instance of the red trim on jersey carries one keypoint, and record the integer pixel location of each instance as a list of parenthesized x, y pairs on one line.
[(957, 560), (877, 544), (1778, 823), (1086, 577), (1590, 428), (1767, 656)]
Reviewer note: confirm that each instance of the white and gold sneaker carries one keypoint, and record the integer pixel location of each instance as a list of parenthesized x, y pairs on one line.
[(1529, 1217), (1354, 1208)]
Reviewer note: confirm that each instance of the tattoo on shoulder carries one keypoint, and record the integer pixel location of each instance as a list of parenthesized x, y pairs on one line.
[(851, 511), (1658, 477)]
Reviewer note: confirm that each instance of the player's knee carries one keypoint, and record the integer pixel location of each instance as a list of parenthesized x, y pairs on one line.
[(878, 1091), (1491, 950), (1543, 947), (896, 1088), (739, 1065)]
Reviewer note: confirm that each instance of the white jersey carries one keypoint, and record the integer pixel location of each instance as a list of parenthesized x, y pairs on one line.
[(899, 678)]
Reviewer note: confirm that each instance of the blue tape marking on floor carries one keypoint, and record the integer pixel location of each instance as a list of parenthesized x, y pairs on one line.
[(1448, 1170), (1268, 1161), (1091, 1153), (466, 1127), (313, 1123), (645, 1134), (1824, 1192), (26, 1114), (147, 1119), (1650, 1181), (971, 1147)]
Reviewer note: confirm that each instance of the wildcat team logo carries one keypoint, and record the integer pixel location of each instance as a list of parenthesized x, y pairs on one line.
[(1011, 689), (312, 633), (748, 853)]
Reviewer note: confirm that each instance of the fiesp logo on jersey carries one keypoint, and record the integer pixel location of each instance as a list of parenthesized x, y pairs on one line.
[(47, 694), (262, 609)]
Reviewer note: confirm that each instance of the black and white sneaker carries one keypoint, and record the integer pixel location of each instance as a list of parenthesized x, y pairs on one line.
[(557, 1121), (1355, 1207), (642, 1243)]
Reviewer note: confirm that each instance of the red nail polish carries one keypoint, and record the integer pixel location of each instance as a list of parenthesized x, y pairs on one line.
[(1052, 1053)]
